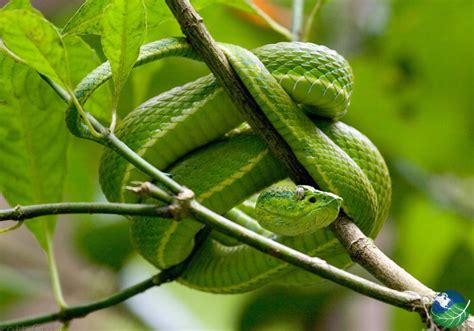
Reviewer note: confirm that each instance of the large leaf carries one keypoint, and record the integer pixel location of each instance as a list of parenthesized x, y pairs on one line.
[(124, 27), (33, 142), (87, 19), (36, 41)]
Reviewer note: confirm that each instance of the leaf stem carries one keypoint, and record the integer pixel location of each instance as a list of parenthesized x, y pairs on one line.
[(69, 96), (310, 20), (271, 22), (11, 228), (116, 144), (53, 272), (84, 115), (298, 19)]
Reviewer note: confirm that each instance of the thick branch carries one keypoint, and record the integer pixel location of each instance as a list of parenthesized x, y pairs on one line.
[(198, 36), (363, 251), (200, 39), (20, 213)]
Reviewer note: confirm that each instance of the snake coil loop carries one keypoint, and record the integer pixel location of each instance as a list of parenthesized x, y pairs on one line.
[(303, 89)]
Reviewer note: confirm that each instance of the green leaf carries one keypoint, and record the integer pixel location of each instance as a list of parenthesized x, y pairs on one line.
[(36, 41), (124, 28), (33, 142), (87, 19)]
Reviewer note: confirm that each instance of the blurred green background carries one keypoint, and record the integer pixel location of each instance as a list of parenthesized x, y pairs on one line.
[(413, 97)]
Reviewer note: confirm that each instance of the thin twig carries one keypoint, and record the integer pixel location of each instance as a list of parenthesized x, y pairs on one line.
[(11, 228), (83, 310), (406, 300), (54, 274), (20, 213), (310, 20), (409, 301), (117, 145), (271, 22), (79, 311), (298, 19)]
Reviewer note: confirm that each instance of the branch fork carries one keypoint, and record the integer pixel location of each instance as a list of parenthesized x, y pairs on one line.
[(178, 204)]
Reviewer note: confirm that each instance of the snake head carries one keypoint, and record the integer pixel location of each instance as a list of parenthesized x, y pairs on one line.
[(293, 212)]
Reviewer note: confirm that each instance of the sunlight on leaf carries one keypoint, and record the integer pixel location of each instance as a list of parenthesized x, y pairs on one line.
[(33, 142), (36, 41), (87, 19), (124, 30)]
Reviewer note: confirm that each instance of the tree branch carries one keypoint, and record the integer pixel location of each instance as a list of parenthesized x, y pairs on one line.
[(198, 36), (298, 19), (364, 252), (202, 42), (20, 213), (309, 21), (79, 311), (406, 300), (85, 309)]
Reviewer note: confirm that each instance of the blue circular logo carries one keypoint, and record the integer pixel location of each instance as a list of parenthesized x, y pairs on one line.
[(449, 309)]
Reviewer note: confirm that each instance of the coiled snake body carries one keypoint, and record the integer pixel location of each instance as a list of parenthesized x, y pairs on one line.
[(183, 131)]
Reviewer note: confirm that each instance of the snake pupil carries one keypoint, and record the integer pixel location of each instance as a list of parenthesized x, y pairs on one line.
[(312, 199)]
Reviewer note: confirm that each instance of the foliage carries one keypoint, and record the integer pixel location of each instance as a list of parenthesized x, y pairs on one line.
[(413, 67)]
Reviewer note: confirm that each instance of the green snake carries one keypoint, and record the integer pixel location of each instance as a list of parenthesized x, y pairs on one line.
[(190, 132)]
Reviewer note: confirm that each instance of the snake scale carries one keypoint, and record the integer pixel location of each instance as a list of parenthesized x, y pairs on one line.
[(189, 131)]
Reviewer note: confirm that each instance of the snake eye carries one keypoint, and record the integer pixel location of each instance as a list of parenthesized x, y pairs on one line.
[(312, 199), (299, 193)]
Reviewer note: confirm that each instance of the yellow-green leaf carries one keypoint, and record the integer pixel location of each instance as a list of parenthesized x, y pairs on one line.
[(124, 27), (36, 41), (33, 142), (87, 19)]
